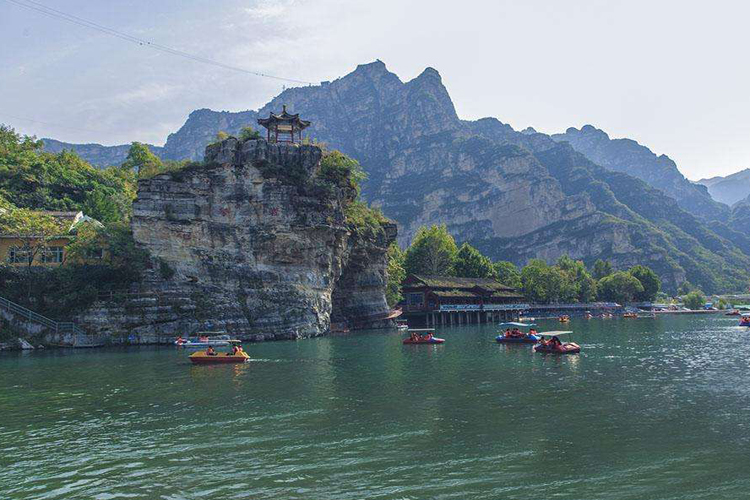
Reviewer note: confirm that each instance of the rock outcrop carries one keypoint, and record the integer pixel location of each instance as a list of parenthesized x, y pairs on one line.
[(253, 242)]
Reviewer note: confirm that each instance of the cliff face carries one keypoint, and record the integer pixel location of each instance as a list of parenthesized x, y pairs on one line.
[(253, 242)]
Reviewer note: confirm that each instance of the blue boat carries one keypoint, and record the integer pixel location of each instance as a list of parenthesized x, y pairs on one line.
[(526, 339)]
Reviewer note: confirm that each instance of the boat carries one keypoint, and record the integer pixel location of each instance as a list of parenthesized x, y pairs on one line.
[(745, 319), (204, 340), (203, 358), (401, 324), (564, 318), (422, 336), (562, 348), (733, 312), (523, 338), (630, 315), (588, 315)]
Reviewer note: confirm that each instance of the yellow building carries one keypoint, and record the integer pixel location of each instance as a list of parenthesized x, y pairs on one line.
[(15, 251)]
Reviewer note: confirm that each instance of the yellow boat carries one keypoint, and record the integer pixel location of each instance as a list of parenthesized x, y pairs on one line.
[(564, 318), (203, 358)]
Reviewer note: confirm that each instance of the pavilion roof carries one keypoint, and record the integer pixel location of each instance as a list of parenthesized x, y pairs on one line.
[(455, 283), (285, 118)]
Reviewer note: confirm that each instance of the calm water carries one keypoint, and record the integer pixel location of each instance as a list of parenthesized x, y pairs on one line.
[(652, 408)]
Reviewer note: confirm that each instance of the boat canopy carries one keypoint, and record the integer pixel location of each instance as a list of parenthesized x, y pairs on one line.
[(421, 329), (554, 333), (513, 323)]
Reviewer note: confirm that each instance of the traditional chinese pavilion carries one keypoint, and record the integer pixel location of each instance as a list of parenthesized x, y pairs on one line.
[(284, 127)]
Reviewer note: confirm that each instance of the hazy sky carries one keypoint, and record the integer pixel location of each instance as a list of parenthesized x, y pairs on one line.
[(673, 75)]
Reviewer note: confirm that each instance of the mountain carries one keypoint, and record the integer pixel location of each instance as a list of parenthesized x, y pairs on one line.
[(729, 189), (627, 156), (515, 195), (96, 154)]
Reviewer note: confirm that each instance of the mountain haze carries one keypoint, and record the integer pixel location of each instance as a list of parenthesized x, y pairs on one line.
[(515, 195)]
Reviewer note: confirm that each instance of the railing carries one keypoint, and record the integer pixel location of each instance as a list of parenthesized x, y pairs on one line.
[(483, 307), (57, 326)]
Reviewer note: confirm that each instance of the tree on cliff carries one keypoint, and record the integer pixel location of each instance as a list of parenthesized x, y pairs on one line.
[(432, 252), (649, 280), (470, 263), (142, 161), (508, 274), (621, 287), (396, 274)]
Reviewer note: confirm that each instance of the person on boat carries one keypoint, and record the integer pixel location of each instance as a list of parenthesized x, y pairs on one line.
[(235, 350), (211, 351), (507, 332), (555, 341), (542, 340), (414, 337), (532, 331)]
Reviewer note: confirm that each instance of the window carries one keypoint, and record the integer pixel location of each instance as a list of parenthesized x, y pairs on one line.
[(18, 255), (53, 255), (416, 299), (95, 253)]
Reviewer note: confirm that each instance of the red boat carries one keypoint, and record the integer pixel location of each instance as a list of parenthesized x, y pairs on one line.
[(554, 346), (422, 338), (566, 348)]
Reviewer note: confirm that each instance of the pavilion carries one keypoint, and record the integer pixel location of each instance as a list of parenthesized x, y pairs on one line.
[(283, 127)]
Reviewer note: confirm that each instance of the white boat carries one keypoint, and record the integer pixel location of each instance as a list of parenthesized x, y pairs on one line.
[(204, 340)]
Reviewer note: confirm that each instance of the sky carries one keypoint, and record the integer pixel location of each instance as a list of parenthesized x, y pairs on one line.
[(672, 75)]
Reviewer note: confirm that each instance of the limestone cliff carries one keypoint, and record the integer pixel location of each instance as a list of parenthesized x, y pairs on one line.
[(253, 241)]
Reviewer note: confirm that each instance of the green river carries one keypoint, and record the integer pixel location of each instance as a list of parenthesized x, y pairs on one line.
[(652, 408)]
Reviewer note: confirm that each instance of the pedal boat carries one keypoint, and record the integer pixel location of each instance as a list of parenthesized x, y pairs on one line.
[(565, 348), (202, 358), (204, 341), (745, 319), (427, 337)]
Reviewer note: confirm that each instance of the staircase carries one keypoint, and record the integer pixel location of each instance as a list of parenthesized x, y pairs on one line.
[(81, 338)]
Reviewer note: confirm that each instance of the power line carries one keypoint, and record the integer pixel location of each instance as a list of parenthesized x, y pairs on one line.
[(49, 11)]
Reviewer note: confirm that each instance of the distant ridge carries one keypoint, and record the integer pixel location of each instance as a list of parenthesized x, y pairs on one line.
[(729, 189)]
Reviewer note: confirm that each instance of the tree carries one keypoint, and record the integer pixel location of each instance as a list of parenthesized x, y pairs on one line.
[(602, 268), (649, 280), (101, 207), (578, 284), (694, 300), (248, 133), (395, 274), (619, 287), (142, 161), (221, 136), (470, 263), (542, 283), (508, 274), (432, 252), (685, 288)]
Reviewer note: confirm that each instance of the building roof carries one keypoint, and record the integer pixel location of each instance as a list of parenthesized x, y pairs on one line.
[(284, 118), (452, 282), (69, 221), (452, 294)]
